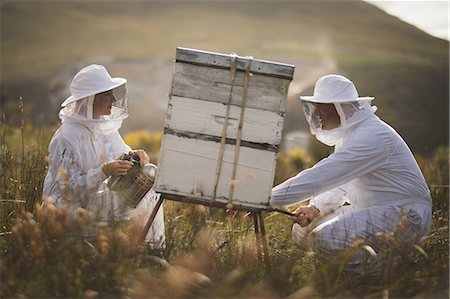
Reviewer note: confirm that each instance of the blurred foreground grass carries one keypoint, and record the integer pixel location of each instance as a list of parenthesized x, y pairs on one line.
[(208, 254)]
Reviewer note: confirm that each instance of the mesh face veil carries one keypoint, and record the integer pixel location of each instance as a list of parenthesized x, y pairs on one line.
[(313, 120), (350, 114), (120, 106), (82, 111)]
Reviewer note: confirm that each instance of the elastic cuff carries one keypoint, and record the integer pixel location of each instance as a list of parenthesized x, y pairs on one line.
[(314, 206), (103, 170)]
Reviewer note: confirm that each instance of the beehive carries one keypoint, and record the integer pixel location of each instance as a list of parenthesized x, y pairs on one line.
[(223, 129)]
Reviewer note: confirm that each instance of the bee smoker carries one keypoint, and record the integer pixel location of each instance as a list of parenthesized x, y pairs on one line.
[(133, 186)]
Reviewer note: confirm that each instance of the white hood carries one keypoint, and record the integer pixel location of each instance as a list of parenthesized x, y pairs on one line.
[(350, 114)]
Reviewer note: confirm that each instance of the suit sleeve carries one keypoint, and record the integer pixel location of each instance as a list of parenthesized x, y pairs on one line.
[(357, 156), (118, 146)]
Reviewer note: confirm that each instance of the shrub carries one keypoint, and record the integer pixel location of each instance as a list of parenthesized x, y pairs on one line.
[(50, 254)]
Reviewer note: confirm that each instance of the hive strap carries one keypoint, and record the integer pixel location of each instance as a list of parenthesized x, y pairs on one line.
[(225, 126), (233, 182), (237, 148)]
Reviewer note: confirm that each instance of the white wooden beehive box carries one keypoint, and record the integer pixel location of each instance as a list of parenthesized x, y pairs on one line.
[(197, 158)]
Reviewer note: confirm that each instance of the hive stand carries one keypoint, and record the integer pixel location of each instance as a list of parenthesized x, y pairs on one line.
[(258, 221)]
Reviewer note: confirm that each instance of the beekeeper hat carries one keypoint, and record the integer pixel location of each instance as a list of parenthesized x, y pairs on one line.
[(334, 89), (91, 80)]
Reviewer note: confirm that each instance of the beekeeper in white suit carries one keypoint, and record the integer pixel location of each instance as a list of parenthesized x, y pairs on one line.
[(86, 150), (371, 183)]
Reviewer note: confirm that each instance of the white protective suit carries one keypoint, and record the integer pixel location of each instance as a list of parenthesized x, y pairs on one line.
[(82, 145), (372, 170)]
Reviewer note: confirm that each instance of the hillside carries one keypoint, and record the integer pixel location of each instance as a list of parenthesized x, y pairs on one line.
[(44, 43)]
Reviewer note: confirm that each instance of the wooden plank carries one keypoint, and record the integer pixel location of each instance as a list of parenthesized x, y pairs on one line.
[(220, 60), (208, 118), (212, 84), (261, 146), (220, 203), (187, 168)]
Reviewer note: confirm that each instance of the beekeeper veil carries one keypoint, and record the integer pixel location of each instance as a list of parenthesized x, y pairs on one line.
[(352, 109), (79, 107)]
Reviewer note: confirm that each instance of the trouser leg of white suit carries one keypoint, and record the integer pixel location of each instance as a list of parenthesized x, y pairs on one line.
[(156, 236), (339, 230), (156, 233), (301, 235)]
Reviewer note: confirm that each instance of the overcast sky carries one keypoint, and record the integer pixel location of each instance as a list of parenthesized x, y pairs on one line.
[(430, 16)]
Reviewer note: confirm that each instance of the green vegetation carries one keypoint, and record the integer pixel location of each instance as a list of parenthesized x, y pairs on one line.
[(208, 254)]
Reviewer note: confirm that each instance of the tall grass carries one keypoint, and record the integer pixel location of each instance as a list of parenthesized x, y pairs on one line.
[(207, 255), (22, 168)]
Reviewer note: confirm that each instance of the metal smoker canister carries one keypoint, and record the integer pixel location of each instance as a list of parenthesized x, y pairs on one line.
[(133, 186)]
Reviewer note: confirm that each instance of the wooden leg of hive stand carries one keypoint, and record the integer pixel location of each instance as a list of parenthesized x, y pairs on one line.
[(257, 235), (264, 240), (150, 220)]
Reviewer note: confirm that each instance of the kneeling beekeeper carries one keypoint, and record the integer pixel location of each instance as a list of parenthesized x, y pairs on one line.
[(370, 184), (87, 148)]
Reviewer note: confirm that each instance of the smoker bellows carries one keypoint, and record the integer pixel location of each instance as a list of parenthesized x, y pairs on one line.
[(223, 129)]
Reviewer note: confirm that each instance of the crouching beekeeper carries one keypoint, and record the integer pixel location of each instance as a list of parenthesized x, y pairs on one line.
[(86, 149), (370, 184)]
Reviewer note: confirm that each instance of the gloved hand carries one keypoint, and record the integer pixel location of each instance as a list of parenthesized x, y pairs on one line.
[(117, 167), (305, 214)]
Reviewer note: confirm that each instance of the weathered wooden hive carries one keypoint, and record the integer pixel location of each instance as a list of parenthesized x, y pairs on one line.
[(222, 129)]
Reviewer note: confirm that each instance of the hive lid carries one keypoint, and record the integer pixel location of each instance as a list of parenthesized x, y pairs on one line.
[(220, 60)]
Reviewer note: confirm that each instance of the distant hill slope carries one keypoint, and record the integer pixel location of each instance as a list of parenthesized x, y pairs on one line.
[(44, 43)]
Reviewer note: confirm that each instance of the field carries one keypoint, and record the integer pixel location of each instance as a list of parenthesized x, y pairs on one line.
[(208, 254)]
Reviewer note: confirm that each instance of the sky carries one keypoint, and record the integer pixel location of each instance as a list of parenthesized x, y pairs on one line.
[(428, 15)]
